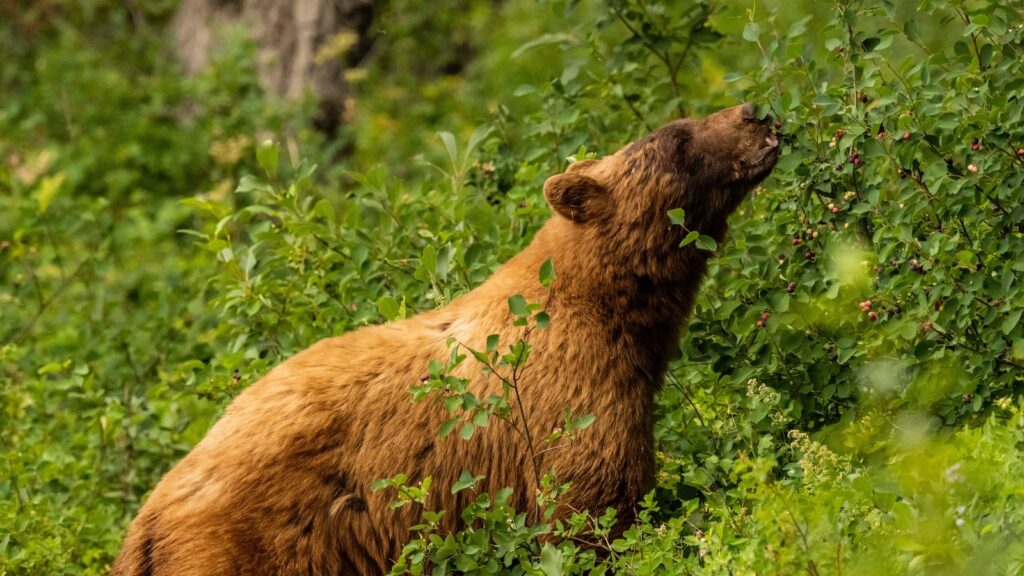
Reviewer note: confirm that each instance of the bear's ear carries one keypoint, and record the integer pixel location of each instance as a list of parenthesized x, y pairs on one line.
[(577, 197)]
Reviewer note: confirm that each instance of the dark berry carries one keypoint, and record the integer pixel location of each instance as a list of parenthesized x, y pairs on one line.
[(872, 316), (796, 241), (760, 323), (840, 133), (808, 255), (791, 288), (424, 377), (856, 161)]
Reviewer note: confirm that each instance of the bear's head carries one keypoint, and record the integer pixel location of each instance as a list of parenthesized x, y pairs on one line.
[(618, 205)]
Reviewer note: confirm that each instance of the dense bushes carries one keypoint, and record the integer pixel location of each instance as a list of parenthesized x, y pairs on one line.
[(848, 398)]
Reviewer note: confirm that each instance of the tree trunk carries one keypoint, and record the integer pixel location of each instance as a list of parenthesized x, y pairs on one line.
[(304, 45)]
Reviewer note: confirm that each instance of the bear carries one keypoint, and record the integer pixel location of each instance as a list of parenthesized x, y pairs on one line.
[(282, 483)]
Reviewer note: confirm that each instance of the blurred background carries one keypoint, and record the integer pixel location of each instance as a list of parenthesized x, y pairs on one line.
[(193, 190)]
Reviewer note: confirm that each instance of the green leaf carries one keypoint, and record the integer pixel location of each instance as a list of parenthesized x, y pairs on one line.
[(583, 422), (1011, 321), (751, 32), (447, 427), (547, 272), (249, 184), (450, 147), (677, 216), (492, 342), (556, 38), (517, 304), (267, 154), (467, 431), (707, 243), (388, 307), (689, 239), (466, 480), (550, 560), (542, 319), (48, 189)]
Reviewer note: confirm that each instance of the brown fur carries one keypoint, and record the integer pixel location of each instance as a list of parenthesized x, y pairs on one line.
[(281, 484)]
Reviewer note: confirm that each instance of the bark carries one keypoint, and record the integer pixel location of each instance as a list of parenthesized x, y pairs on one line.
[(289, 35)]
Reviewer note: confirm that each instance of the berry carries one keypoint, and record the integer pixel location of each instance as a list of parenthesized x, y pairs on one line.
[(872, 316), (778, 125), (791, 288), (972, 168), (975, 147), (856, 161), (835, 209), (809, 256), (796, 241), (424, 377), (840, 133), (765, 315), (914, 262), (927, 326), (760, 323), (906, 135), (1020, 152)]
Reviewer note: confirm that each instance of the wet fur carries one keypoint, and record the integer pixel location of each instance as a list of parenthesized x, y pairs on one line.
[(281, 484)]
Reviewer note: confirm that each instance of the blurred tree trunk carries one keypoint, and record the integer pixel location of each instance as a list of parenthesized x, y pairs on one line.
[(303, 44)]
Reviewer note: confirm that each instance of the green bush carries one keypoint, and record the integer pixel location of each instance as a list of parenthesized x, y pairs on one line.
[(157, 256)]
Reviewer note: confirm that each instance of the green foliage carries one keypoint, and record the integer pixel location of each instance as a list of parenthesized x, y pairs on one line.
[(848, 400)]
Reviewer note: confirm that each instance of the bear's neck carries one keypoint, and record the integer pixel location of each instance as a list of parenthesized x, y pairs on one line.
[(610, 303)]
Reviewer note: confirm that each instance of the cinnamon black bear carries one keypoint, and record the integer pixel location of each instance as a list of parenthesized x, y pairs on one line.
[(282, 483)]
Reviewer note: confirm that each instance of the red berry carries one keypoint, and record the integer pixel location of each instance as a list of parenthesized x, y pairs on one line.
[(424, 377), (765, 315), (839, 133), (906, 135), (872, 316), (760, 323), (796, 241), (791, 288), (835, 209), (927, 326), (809, 255), (856, 161), (778, 125), (1020, 152)]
